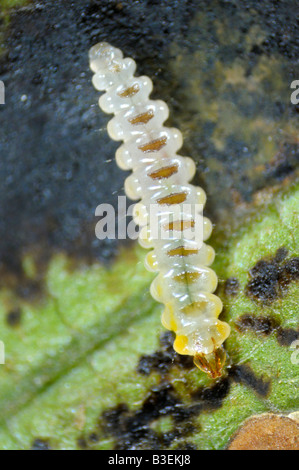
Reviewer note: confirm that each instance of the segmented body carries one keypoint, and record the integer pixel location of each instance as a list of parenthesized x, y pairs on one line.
[(185, 283)]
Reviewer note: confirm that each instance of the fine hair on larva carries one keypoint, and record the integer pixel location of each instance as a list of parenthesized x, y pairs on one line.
[(185, 283)]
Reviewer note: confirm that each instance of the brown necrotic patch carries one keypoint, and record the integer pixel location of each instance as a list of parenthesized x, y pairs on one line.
[(153, 145), (142, 118), (270, 278), (175, 198), (130, 91), (265, 326), (165, 172)]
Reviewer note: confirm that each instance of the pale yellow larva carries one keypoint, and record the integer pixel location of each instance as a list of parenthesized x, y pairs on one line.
[(185, 283)]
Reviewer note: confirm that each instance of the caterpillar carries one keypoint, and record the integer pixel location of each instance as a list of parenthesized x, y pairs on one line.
[(160, 177)]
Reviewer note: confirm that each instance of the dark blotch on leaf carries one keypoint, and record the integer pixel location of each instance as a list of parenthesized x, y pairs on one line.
[(244, 375), (231, 286), (270, 279), (211, 398), (82, 443), (265, 326), (13, 276), (186, 446), (281, 254), (291, 270), (40, 444), (13, 318), (93, 437), (286, 336), (163, 360), (260, 325), (132, 429)]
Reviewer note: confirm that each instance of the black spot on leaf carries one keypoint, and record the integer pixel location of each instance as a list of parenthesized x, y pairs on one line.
[(163, 360), (13, 318), (260, 325), (244, 375), (132, 429), (265, 326), (270, 278), (286, 336), (40, 444)]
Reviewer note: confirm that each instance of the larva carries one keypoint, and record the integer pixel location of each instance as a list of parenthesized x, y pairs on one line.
[(185, 283)]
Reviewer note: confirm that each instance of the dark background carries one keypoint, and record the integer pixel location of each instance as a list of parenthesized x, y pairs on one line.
[(56, 159)]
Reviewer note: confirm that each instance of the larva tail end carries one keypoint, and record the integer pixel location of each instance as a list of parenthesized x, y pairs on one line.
[(212, 364)]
